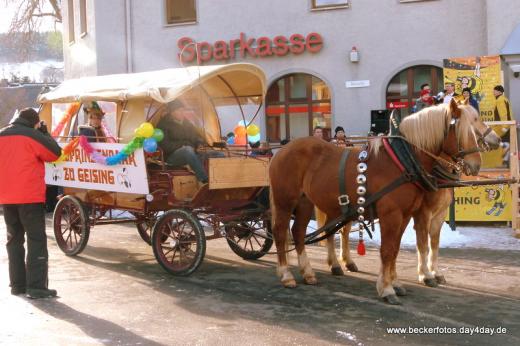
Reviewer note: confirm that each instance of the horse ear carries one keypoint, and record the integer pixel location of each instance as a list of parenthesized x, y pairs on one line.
[(455, 110)]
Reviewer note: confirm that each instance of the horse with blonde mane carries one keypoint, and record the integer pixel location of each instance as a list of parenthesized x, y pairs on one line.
[(431, 215), (305, 174)]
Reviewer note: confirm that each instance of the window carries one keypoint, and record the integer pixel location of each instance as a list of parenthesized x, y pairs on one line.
[(70, 15), (180, 11), (405, 87), (83, 16), (322, 4), (295, 104)]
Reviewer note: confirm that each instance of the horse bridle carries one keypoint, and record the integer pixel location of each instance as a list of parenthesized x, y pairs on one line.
[(482, 145)]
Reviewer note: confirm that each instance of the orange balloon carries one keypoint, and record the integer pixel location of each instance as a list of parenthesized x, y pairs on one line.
[(240, 131), (240, 140)]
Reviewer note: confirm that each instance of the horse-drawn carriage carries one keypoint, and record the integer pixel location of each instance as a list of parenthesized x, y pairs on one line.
[(108, 183)]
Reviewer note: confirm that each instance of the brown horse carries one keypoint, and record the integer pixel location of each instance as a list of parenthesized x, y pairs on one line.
[(305, 173), (429, 218)]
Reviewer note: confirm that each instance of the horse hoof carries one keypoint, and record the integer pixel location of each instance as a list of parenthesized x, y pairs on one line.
[(392, 299), (337, 271), (430, 282), (440, 279), (400, 291), (289, 283), (352, 267), (310, 280)]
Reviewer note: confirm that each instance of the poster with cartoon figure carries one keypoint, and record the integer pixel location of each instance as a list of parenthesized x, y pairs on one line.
[(480, 74), (484, 203), (497, 197)]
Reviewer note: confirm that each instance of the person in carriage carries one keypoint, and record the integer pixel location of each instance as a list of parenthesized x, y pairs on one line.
[(182, 139), (94, 129)]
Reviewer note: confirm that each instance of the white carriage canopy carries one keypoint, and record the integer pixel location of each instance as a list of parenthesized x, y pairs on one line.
[(208, 86)]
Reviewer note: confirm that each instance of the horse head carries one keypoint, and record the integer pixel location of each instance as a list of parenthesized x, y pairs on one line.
[(486, 136), (461, 142), (445, 129)]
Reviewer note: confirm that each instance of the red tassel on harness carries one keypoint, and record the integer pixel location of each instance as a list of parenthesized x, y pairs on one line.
[(361, 248)]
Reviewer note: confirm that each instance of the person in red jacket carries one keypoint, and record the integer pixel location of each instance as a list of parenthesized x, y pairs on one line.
[(24, 147)]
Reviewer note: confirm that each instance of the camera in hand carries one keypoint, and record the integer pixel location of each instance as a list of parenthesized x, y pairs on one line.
[(43, 127)]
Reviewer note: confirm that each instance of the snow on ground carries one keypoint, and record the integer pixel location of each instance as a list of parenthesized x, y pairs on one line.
[(495, 238)]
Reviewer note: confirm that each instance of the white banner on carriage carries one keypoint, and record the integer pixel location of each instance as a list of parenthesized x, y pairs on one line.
[(82, 172)]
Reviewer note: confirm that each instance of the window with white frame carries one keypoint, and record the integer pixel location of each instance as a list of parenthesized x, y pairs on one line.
[(322, 4), (180, 11)]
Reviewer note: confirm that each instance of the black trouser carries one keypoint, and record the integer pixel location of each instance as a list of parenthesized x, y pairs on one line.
[(30, 219)]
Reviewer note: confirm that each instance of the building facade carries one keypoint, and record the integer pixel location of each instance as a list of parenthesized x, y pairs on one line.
[(328, 62)]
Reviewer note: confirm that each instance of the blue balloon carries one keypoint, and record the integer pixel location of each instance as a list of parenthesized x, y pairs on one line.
[(254, 139), (231, 140), (150, 145)]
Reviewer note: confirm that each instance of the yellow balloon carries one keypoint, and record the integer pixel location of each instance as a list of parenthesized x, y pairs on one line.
[(145, 130), (253, 130)]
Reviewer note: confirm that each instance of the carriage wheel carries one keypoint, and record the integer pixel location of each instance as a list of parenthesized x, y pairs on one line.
[(250, 239), (144, 224), (178, 242), (71, 226)]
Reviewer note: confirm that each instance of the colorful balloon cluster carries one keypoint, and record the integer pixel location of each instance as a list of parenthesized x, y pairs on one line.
[(71, 110), (146, 137), (244, 133)]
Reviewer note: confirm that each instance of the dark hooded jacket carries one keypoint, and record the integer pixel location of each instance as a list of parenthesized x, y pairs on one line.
[(177, 134), (23, 151)]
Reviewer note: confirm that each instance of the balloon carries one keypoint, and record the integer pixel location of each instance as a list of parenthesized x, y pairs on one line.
[(158, 134), (145, 130), (240, 131), (231, 140), (150, 145), (254, 139), (253, 130), (240, 140), (242, 123)]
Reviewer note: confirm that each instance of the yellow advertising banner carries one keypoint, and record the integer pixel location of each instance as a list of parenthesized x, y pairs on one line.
[(481, 74), (484, 203)]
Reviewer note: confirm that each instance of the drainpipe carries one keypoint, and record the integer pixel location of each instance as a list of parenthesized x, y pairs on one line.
[(128, 36)]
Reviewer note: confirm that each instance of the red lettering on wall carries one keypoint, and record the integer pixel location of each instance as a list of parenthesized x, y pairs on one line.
[(187, 49), (245, 46), (297, 43), (265, 47), (314, 42)]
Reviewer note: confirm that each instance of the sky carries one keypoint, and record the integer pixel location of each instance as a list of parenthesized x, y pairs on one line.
[(7, 12)]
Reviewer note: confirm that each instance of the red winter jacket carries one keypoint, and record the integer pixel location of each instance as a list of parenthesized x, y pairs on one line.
[(23, 151)]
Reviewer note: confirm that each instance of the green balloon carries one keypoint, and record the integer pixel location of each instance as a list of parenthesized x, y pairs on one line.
[(126, 150), (158, 134)]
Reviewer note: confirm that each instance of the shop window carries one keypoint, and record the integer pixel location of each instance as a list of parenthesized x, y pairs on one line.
[(180, 11), (405, 87), (70, 19), (307, 106), (83, 16), (325, 4)]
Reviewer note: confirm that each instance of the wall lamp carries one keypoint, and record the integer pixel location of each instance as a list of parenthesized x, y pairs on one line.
[(354, 55)]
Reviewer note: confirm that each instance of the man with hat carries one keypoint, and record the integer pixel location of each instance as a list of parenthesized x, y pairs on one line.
[(25, 145), (340, 139), (182, 139), (502, 112), (426, 100)]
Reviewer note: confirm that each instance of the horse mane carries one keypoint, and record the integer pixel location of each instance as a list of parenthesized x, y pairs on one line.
[(427, 128)]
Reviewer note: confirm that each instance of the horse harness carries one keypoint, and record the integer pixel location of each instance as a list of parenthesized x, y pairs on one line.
[(412, 172)]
